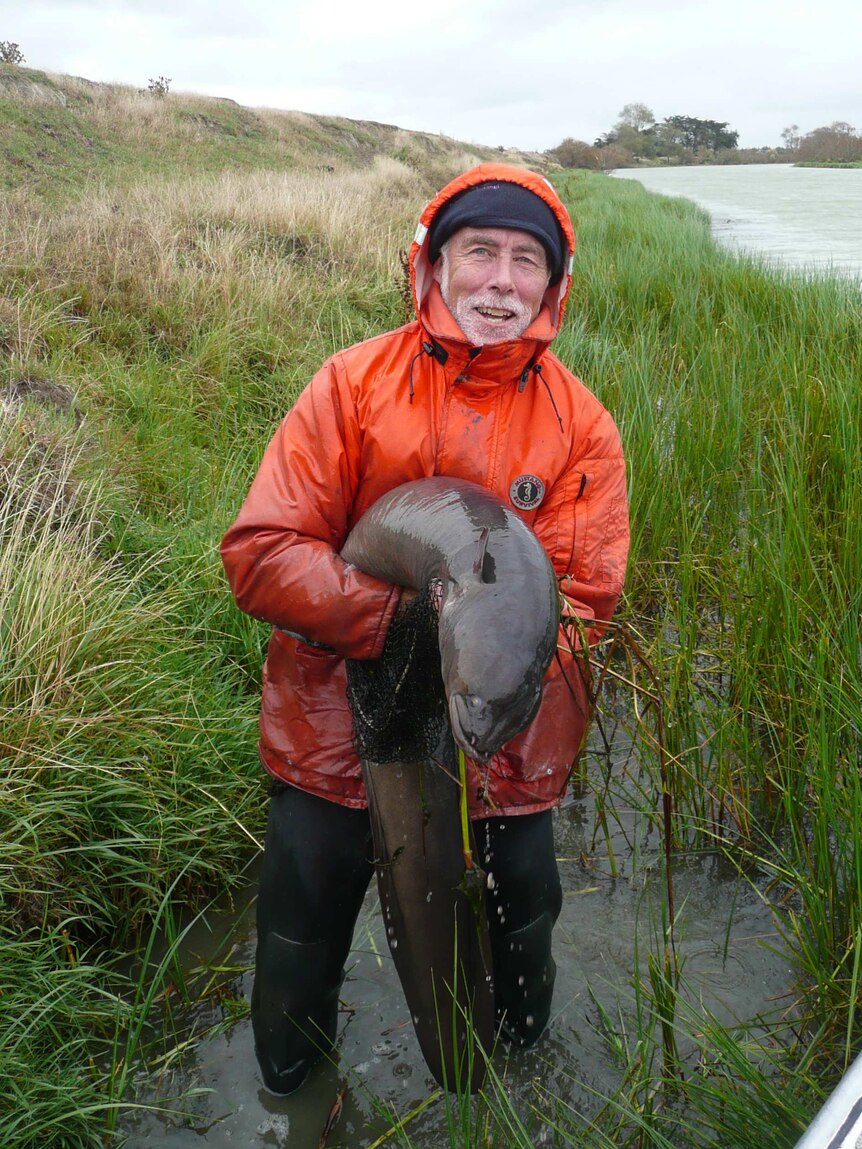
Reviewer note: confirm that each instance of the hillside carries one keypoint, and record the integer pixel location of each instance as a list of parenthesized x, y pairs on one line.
[(59, 132)]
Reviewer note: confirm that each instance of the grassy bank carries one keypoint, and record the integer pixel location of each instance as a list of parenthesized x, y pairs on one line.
[(154, 325), (828, 164), (737, 395)]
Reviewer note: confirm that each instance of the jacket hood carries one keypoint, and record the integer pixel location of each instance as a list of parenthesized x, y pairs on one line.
[(421, 277)]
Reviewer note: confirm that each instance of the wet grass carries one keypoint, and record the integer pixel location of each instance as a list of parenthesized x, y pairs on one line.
[(151, 335), (736, 389)]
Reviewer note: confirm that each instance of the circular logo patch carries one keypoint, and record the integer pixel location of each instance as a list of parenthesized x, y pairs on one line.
[(527, 491)]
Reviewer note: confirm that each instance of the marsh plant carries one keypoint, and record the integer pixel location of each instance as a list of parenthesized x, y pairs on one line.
[(173, 319)]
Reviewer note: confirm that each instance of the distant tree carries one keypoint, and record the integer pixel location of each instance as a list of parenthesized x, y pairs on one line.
[(791, 137), (159, 87), (636, 116), (667, 141), (634, 131), (10, 53), (837, 142), (613, 156), (692, 133), (573, 153), (640, 143)]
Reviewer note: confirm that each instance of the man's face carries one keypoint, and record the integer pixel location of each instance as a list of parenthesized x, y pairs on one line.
[(493, 280)]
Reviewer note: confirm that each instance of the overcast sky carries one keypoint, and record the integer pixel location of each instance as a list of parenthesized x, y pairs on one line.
[(507, 72)]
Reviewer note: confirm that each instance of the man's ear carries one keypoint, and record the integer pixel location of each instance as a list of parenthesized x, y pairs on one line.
[(437, 270)]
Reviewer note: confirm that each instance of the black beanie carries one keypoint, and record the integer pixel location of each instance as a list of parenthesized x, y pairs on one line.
[(500, 204)]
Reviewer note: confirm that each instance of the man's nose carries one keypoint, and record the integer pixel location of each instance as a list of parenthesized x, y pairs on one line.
[(502, 273)]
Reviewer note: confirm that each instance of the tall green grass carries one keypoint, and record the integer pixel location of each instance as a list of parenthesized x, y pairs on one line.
[(736, 388)]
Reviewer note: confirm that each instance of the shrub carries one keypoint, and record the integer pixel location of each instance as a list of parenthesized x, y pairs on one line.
[(575, 154), (10, 53), (159, 87)]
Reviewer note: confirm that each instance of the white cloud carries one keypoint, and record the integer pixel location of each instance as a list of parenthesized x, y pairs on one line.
[(489, 71)]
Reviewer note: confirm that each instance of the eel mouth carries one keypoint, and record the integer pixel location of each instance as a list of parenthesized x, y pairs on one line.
[(480, 728), (473, 726)]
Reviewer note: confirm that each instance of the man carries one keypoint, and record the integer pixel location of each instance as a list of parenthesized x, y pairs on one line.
[(468, 389)]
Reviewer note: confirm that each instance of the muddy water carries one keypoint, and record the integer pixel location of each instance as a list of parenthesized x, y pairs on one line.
[(606, 921)]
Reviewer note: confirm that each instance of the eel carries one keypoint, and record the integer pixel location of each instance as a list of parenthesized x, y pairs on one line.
[(499, 607), (498, 617)]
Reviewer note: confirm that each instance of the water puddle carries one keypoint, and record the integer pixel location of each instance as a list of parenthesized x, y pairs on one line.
[(209, 1094)]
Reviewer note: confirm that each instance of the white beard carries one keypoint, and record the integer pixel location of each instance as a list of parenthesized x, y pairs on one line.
[(478, 329)]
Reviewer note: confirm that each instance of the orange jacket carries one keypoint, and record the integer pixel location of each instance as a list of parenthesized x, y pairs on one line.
[(414, 402)]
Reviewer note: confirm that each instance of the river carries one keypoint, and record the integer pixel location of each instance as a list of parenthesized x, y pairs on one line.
[(808, 218)]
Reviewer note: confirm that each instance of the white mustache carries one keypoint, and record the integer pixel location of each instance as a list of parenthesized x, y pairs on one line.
[(496, 302)]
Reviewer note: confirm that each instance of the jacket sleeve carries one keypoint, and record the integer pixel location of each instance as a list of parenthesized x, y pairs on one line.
[(584, 524), (281, 554)]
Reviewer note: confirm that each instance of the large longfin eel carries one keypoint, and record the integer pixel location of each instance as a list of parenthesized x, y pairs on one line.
[(498, 620), (434, 914)]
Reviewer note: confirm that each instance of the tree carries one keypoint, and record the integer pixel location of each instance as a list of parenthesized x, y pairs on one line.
[(10, 53), (837, 142), (634, 131), (573, 153), (636, 116), (691, 133), (791, 137)]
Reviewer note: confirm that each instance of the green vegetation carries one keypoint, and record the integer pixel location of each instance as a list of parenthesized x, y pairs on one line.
[(835, 145), (58, 133), (172, 271), (829, 164), (638, 139), (737, 393)]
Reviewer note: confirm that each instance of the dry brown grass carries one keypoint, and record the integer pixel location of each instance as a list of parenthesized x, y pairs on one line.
[(241, 237)]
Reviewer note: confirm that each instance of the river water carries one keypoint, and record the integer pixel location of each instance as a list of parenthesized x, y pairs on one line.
[(808, 218)]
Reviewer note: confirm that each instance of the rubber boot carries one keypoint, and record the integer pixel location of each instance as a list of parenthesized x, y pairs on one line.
[(294, 1008), (524, 974)]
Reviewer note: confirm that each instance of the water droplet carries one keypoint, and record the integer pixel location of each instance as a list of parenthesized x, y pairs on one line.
[(428, 895), (520, 979), (529, 1019), (491, 882), (393, 945)]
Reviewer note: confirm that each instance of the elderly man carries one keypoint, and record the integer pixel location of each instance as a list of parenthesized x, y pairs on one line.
[(468, 389)]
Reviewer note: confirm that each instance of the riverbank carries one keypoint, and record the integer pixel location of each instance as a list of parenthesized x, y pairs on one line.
[(828, 164), (153, 331)]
